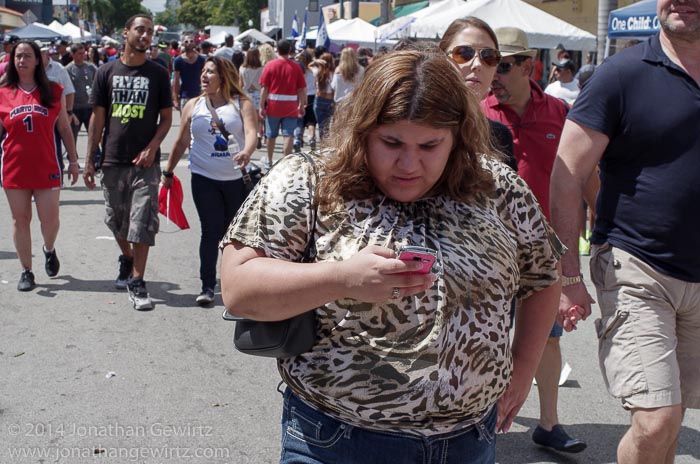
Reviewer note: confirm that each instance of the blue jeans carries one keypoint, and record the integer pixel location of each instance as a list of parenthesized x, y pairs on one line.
[(312, 437), (323, 109), (217, 202)]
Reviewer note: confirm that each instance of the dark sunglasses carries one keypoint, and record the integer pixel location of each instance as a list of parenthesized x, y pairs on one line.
[(462, 54), (505, 68), (188, 41)]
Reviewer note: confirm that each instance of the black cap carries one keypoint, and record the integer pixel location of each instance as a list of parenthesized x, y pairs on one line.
[(566, 64), (10, 39)]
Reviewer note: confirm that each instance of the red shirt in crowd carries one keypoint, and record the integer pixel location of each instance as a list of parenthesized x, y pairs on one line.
[(283, 79), (536, 137)]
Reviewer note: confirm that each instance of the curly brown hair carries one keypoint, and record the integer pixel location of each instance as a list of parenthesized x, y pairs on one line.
[(424, 88)]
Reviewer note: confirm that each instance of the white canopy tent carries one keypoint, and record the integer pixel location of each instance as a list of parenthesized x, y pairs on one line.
[(254, 34), (56, 27), (543, 30), (218, 38), (72, 31), (354, 30), (398, 27)]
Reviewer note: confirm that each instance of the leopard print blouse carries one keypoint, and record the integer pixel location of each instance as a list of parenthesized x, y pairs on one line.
[(427, 364)]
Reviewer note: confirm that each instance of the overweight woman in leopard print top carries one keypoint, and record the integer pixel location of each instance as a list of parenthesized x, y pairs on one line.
[(406, 367)]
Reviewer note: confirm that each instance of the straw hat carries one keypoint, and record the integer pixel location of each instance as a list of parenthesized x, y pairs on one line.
[(513, 42)]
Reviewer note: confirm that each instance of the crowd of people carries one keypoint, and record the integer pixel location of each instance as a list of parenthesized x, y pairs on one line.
[(453, 147)]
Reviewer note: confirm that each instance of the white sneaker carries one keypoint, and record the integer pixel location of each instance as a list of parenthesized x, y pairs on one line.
[(265, 163), (138, 295), (206, 297)]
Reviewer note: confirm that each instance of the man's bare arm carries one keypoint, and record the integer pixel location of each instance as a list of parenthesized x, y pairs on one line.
[(579, 151)]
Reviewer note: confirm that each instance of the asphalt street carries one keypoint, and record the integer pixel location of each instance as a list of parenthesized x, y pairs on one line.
[(84, 378)]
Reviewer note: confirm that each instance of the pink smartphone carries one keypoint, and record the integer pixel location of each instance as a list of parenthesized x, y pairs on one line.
[(426, 256)]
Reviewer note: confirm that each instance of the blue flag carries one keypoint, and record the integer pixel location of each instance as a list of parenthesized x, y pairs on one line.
[(301, 44), (322, 33), (295, 27)]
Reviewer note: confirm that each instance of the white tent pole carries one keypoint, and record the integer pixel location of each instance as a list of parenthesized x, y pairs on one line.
[(604, 9)]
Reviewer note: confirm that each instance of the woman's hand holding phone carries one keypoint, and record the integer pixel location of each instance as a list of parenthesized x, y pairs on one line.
[(372, 274)]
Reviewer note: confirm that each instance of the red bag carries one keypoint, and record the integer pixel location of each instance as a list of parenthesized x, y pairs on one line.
[(170, 204)]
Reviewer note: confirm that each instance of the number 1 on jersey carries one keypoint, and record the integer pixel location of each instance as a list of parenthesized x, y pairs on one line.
[(29, 123)]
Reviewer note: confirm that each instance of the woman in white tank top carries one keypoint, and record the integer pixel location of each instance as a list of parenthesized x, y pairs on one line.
[(217, 186)]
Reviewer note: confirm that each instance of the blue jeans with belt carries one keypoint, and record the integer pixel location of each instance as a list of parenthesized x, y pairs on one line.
[(217, 202), (311, 437)]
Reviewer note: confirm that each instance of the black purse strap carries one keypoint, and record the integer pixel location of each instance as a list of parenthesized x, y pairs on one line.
[(310, 250), (220, 124), (217, 120)]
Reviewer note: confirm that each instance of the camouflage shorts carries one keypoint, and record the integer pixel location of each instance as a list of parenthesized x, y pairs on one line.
[(131, 200)]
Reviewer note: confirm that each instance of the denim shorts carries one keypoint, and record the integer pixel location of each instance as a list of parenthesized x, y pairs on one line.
[(272, 126), (556, 332), (311, 437)]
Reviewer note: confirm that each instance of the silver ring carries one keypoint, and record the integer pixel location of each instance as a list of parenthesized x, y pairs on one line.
[(395, 293)]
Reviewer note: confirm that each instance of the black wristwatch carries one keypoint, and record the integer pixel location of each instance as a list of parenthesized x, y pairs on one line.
[(168, 174), (70, 112)]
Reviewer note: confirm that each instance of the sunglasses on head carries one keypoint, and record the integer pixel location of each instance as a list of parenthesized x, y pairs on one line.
[(462, 54)]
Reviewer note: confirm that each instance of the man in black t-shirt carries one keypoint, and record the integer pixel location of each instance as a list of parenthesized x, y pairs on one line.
[(64, 56), (637, 118), (132, 113)]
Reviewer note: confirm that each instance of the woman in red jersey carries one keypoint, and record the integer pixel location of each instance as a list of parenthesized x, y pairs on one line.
[(30, 107)]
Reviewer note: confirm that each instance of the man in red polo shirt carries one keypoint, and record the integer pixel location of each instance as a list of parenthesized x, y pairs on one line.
[(282, 98), (536, 121)]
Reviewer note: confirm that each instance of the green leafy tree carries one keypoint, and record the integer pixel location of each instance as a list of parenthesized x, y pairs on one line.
[(224, 14), (167, 18), (245, 10), (111, 14), (124, 9), (99, 11), (194, 12), (200, 13)]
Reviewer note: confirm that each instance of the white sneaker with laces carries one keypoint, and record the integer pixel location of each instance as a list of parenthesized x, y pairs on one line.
[(138, 295)]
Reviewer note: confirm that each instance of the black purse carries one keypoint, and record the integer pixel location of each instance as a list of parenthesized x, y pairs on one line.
[(279, 339), (253, 173)]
